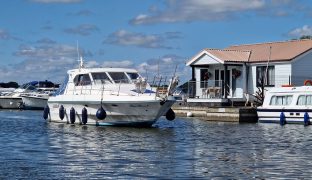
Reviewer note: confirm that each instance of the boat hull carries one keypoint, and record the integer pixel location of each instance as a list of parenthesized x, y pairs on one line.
[(292, 116), (34, 103), (127, 113), (10, 102)]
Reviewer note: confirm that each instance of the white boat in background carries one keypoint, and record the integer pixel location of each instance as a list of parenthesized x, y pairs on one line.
[(14, 100), (287, 105), (4, 91), (35, 101), (109, 96)]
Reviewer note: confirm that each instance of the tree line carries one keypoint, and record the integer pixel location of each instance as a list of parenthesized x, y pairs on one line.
[(9, 85)]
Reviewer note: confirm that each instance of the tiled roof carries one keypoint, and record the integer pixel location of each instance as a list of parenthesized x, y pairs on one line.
[(230, 55), (280, 51), (262, 52)]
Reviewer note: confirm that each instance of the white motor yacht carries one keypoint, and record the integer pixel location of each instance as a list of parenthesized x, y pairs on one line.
[(110, 96)]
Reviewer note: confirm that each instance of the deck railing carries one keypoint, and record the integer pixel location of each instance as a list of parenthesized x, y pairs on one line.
[(206, 89), (159, 85)]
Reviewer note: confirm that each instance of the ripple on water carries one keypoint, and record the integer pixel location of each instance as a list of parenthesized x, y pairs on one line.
[(182, 149)]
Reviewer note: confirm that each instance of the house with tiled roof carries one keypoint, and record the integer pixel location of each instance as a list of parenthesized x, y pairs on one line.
[(223, 75)]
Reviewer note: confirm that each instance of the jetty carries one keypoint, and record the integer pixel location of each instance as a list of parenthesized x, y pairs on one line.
[(218, 114)]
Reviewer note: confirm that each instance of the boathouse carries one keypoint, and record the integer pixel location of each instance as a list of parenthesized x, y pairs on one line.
[(224, 76)]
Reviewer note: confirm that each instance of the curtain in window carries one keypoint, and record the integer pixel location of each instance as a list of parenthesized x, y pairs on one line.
[(281, 100), (301, 100), (270, 78), (309, 100), (288, 100)]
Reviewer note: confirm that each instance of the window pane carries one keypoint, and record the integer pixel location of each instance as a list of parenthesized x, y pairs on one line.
[(301, 100), (119, 77), (133, 75), (281, 100), (203, 78), (268, 75), (309, 100), (82, 79), (100, 78)]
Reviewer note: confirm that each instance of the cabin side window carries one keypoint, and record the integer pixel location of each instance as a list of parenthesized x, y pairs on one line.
[(280, 100), (82, 80), (100, 78), (304, 100), (119, 77)]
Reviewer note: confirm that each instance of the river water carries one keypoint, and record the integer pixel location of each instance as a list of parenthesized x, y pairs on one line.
[(186, 148)]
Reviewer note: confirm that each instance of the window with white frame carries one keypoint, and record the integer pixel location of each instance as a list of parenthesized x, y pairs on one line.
[(281, 100), (267, 73), (304, 100)]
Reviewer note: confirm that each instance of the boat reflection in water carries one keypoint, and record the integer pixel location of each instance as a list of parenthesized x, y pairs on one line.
[(110, 96)]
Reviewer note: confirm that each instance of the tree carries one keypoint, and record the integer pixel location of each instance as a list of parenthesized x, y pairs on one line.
[(9, 85), (306, 37)]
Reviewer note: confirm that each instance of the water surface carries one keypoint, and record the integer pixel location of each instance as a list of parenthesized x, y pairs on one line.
[(186, 148)]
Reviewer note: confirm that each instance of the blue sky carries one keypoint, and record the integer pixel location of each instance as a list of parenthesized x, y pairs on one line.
[(38, 38)]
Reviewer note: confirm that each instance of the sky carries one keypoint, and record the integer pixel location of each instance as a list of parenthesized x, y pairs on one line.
[(39, 38)]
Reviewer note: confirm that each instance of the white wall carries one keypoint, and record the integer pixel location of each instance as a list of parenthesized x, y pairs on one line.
[(206, 60), (282, 73), (302, 69)]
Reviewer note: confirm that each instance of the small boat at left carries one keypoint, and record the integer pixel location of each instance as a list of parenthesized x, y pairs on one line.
[(14, 99)]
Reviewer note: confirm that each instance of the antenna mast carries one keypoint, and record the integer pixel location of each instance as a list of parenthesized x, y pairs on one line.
[(267, 67), (80, 60)]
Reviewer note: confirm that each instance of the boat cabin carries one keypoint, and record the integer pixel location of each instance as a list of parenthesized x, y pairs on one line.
[(83, 81), (99, 76)]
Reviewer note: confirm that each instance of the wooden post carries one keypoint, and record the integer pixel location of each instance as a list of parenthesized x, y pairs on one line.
[(226, 81)]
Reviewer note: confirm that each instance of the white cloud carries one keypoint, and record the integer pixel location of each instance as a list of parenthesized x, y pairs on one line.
[(83, 29), (84, 12), (165, 66), (214, 10), (46, 60), (4, 35), (91, 64), (125, 38), (121, 64), (301, 31), (186, 10), (53, 51)]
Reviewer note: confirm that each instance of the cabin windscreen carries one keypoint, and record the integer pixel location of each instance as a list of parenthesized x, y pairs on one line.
[(119, 77), (133, 76), (82, 80), (100, 78), (62, 88)]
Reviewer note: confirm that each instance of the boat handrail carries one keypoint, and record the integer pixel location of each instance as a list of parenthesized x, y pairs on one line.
[(159, 85)]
